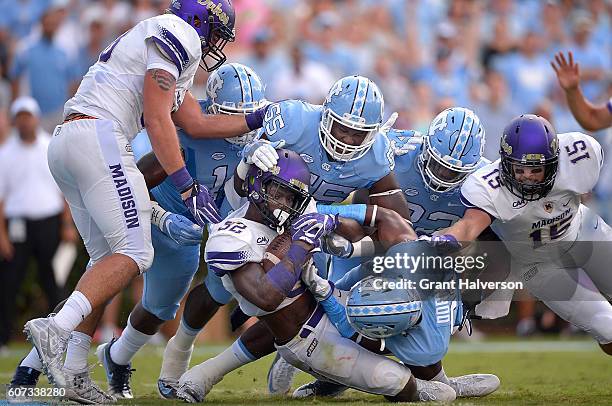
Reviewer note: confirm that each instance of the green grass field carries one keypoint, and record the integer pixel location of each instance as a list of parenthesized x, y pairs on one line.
[(531, 372)]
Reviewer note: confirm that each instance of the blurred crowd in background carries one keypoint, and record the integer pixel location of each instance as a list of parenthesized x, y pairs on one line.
[(492, 56)]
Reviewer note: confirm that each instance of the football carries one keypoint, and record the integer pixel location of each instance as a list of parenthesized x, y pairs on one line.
[(276, 251)]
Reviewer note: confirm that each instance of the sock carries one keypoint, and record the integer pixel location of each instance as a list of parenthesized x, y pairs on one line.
[(76, 308), (441, 377), (77, 352), (32, 361), (185, 336), (232, 358), (131, 340)]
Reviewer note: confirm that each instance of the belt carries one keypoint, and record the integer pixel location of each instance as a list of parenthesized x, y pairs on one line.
[(78, 116), (312, 322)]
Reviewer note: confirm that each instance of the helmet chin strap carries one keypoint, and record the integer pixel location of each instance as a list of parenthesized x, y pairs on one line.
[(282, 217)]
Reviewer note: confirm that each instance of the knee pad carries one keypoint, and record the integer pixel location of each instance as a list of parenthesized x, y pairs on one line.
[(389, 376)]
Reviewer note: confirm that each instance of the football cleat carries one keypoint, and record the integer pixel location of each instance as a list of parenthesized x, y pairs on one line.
[(50, 342), (280, 376), (80, 388), (118, 376), (474, 385), (433, 391), (196, 383), (174, 364), (319, 388)]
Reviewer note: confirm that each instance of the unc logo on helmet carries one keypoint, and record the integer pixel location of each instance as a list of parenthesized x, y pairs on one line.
[(235, 89), (214, 21), (280, 195), (378, 312), (354, 102), (531, 143), (452, 149)]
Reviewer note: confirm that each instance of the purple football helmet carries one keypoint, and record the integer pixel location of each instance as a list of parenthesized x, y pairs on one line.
[(529, 141), (214, 21), (286, 186)]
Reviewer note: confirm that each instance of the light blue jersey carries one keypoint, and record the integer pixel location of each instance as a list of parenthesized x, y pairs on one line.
[(427, 342), (429, 211), (297, 123)]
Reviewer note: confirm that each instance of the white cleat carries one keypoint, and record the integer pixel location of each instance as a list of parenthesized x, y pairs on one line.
[(474, 385), (196, 383), (174, 364), (433, 391), (80, 388), (50, 342), (280, 376)]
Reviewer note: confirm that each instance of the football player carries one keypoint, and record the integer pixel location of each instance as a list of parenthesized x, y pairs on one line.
[(430, 170), (302, 331), (531, 199), (233, 89), (418, 337)]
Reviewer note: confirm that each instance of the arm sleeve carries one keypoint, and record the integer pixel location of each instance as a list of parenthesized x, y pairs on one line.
[(476, 195), (159, 58)]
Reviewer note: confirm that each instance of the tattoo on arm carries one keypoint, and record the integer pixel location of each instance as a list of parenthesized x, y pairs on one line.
[(164, 79)]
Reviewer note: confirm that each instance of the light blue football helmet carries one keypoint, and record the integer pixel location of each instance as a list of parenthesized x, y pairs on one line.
[(235, 89), (452, 149), (378, 312), (354, 102)]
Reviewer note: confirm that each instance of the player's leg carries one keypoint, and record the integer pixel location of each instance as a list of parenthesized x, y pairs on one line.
[(99, 178), (202, 303), (321, 351), (165, 284), (571, 294), (255, 343)]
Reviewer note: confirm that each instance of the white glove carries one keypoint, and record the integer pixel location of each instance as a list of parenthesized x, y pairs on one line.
[(319, 287), (262, 153), (336, 245), (389, 123)]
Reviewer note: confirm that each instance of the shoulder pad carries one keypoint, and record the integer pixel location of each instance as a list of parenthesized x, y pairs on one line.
[(227, 250), (287, 120)]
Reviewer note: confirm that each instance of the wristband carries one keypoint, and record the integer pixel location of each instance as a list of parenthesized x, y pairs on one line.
[(242, 169), (158, 214), (255, 119), (356, 212), (181, 179), (282, 278), (373, 219), (297, 255)]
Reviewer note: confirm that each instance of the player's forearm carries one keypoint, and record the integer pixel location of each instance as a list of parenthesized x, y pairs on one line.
[(152, 170), (215, 126), (164, 141), (393, 228), (584, 112), (462, 231)]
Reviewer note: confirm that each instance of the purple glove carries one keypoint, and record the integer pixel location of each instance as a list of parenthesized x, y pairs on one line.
[(311, 227), (201, 205), (444, 243)]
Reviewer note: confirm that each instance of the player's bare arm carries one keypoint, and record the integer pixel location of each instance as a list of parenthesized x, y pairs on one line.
[(387, 193), (590, 117), (251, 282), (198, 125), (159, 86), (468, 228)]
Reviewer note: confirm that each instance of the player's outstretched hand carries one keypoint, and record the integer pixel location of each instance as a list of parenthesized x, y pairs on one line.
[(336, 245), (262, 153), (568, 72), (181, 230), (201, 204), (311, 227)]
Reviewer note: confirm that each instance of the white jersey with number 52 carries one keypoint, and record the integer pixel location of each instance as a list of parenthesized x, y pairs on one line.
[(527, 227), (113, 86)]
